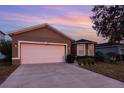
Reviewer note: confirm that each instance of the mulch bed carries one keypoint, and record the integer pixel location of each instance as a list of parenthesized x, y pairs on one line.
[(6, 68)]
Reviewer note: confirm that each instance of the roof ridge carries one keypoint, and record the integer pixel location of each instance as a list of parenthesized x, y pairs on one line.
[(84, 40)]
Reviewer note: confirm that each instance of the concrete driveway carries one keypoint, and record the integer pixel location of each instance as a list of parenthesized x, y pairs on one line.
[(57, 76)]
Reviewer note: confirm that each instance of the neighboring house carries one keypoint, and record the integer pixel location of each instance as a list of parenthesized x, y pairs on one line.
[(83, 47), (39, 44), (2, 37), (108, 47)]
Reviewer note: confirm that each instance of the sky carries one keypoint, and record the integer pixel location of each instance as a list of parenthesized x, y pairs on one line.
[(74, 21)]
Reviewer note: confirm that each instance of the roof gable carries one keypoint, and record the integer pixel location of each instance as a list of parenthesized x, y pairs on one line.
[(83, 41), (28, 29)]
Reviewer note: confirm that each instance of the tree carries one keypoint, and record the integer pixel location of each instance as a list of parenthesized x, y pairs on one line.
[(109, 22), (6, 49)]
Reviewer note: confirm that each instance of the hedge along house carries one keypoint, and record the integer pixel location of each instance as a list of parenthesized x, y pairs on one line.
[(39, 44), (83, 47)]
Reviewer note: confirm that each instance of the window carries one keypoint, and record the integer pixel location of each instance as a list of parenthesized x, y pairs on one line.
[(85, 49), (81, 50), (90, 50)]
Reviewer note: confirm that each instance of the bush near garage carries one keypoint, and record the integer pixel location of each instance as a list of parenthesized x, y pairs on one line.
[(70, 58)]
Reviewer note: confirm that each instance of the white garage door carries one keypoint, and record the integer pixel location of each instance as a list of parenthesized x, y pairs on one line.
[(34, 53)]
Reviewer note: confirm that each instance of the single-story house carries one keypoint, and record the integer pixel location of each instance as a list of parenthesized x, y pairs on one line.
[(40, 44), (83, 47), (2, 37), (105, 48)]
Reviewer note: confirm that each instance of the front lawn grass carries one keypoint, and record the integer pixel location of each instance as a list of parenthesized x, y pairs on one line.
[(115, 71), (6, 68)]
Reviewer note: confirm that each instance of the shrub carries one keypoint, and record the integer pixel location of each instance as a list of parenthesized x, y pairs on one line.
[(81, 59), (99, 56), (112, 57), (70, 59), (85, 60), (6, 49), (91, 61)]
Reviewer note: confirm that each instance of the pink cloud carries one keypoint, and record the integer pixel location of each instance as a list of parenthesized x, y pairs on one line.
[(85, 33), (75, 18), (71, 19)]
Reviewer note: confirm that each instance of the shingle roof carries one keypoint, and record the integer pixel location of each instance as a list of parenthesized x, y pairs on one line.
[(84, 40), (27, 29), (109, 44)]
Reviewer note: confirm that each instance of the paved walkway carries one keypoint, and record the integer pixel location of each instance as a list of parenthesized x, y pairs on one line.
[(57, 76)]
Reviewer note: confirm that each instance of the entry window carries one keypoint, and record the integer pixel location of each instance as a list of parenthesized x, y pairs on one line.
[(90, 50), (81, 50)]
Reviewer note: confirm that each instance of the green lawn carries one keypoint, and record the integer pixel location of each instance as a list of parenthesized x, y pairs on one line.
[(5, 70), (115, 71)]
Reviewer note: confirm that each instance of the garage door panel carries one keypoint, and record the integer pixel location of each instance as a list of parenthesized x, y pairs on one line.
[(33, 61), (32, 53)]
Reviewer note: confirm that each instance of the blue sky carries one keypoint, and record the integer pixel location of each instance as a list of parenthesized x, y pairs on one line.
[(74, 21)]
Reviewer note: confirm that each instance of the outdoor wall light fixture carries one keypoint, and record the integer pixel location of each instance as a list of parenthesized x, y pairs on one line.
[(15, 45)]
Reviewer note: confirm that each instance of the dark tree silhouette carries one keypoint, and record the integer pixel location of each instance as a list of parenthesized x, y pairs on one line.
[(108, 21), (6, 49)]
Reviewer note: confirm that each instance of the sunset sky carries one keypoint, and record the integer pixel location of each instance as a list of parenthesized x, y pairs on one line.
[(74, 21)]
